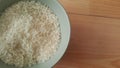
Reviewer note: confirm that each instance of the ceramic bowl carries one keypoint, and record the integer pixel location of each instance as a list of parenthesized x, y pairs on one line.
[(64, 27)]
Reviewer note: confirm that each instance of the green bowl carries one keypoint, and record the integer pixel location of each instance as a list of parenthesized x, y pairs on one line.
[(64, 26)]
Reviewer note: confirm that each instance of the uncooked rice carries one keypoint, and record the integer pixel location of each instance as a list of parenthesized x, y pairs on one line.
[(29, 34)]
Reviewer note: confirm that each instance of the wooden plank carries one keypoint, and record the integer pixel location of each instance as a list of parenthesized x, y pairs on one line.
[(105, 8), (95, 43)]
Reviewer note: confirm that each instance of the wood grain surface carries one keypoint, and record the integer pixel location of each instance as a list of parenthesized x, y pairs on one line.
[(95, 37)]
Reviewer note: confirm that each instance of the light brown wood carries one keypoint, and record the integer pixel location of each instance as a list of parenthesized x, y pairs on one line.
[(95, 36), (95, 43), (106, 8)]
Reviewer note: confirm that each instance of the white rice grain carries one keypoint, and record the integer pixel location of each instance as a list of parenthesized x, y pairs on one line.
[(29, 34)]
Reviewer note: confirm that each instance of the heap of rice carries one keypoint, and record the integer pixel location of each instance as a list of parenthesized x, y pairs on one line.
[(29, 34)]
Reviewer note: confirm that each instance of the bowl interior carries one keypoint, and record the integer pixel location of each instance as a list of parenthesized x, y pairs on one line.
[(64, 26)]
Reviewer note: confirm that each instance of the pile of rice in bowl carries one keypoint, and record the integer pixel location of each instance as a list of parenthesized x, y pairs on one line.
[(29, 34)]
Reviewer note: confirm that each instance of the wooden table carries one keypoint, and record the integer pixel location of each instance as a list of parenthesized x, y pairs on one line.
[(95, 37)]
